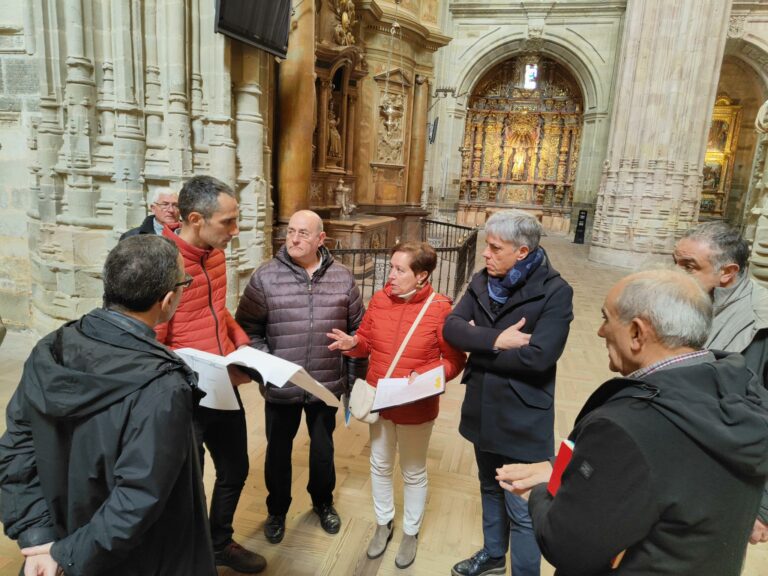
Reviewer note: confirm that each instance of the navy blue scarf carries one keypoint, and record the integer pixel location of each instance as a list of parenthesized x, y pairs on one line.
[(500, 289)]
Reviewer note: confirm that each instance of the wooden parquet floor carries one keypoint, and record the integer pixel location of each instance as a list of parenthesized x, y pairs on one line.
[(451, 529)]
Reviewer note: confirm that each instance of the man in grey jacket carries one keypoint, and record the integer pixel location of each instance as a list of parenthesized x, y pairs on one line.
[(717, 257), (288, 307)]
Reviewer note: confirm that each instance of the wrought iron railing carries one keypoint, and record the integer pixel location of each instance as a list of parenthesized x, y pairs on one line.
[(455, 246)]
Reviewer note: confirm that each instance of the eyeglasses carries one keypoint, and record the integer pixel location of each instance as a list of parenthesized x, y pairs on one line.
[(186, 283), (303, 234), (167, 205)]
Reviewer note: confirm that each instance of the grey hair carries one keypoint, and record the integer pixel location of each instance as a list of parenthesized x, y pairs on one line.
[(516, 227), (201, 194), (726, 243), (162, 192), (679, 311), (139, 271)]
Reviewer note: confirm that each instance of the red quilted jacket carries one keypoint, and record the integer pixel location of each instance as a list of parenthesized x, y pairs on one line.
[(384, 326), (202, 320)]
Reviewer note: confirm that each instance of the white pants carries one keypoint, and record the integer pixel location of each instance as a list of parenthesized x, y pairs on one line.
[(413, 441)]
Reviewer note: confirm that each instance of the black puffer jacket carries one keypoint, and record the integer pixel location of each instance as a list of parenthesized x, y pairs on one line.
[(99, 454), (287, 314)]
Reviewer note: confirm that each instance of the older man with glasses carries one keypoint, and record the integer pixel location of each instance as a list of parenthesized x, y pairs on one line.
[(165, 212), (288, 307)]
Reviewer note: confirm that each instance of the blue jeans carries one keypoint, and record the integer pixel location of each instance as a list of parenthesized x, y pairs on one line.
[(506, 522)]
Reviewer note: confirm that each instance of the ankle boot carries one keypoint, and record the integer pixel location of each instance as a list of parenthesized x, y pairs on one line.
[(406, 554), (380, 539)]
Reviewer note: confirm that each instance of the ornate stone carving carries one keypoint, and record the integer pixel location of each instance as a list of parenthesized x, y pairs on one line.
[(736, 25), (342, 32)]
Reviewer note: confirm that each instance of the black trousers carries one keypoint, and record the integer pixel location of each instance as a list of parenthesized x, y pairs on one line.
[(224, 434), (281, 423)]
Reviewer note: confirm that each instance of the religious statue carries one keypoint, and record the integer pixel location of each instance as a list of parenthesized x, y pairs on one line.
[(518, 164), (334, 138), (342, 32)]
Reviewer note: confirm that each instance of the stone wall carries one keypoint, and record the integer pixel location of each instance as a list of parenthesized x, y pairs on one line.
[(107, 102), (19, 106)]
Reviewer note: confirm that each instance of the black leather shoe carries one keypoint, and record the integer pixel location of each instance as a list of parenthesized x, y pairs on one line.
[(274, 528), (239, 559), (329, 518), (479, 565)]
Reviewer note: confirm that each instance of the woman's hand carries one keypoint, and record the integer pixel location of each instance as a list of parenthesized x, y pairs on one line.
[(341, 340)]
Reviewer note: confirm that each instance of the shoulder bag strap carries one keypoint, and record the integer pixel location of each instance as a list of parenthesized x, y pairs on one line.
[(408, 336)]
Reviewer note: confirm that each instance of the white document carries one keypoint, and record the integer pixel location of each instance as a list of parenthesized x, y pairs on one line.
[(272, 369), (396, 391), (212, 377)]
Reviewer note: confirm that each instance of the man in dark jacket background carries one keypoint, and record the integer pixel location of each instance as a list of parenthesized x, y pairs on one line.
[(514, 321), (669, 462), (165, 212), (288, 307), (98, 466)]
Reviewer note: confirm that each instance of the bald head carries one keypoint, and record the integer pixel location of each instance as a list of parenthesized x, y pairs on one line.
[(308, 219), (304, 237)]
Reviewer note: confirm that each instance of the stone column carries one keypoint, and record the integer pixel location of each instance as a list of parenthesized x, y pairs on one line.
[(80, 198), (129, 144), (177, 116), (667, 81), (249, 133), (418, 141), (297, 102), (153, 99)]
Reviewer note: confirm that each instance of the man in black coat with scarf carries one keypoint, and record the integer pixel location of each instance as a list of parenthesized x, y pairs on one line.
[(669, 460), (98, 465), (514, 321)]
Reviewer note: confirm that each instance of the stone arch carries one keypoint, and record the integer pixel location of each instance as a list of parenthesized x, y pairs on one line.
[(554, 46), (753, 51)]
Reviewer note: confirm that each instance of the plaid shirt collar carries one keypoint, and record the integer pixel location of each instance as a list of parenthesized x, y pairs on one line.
[(668, 362)]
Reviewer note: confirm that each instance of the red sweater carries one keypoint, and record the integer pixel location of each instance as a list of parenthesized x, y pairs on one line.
[(383, 329), (202, 320)]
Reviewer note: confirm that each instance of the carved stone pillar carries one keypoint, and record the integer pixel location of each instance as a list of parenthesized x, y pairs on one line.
[(129, 145), (177, 116), (418, 141), (662, 107), (249, 128), (153, 99), (297, 95), (79, 198)]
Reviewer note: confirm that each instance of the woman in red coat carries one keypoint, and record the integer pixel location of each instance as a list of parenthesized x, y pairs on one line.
[(390, 315)]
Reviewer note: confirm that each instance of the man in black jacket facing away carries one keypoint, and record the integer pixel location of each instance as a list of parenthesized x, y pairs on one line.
[(513, 320), (669, 461), (98, 466)]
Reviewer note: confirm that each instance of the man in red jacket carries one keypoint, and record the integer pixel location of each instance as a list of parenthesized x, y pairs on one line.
[(209, 213)]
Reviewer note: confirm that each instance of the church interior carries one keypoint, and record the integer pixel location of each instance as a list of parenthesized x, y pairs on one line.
[(619, 124)]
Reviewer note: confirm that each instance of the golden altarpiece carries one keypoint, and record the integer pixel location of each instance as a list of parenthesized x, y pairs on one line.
[(521, 142), (719, 158)]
